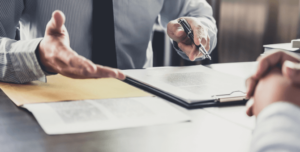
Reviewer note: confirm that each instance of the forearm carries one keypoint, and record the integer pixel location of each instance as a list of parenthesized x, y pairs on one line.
[(19, 63), (277, 129)]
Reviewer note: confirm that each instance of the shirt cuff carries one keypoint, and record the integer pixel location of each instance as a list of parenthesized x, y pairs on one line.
[(212, 32), (182, 54), (277, 129), (286, 108), (25, 63)]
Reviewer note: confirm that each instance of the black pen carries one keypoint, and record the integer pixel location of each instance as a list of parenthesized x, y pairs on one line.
[(188, 30)]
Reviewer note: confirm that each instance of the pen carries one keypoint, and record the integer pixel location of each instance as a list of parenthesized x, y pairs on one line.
[(188, 30)]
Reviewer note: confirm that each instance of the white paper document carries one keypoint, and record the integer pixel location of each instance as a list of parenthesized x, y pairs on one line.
[(284, 46), (105, 114), (235, 114), (192, 83)]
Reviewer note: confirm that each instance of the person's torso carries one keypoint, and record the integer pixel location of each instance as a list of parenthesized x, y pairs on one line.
[(134, 20)]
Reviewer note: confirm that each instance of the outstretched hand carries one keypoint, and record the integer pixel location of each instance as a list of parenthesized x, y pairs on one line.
[(56, 55)]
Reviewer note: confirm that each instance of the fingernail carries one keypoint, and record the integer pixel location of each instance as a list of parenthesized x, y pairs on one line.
[(247, 85), (250, 102), (292, 67), (247, 89), (199, 41), (191, 58), (290, 64)]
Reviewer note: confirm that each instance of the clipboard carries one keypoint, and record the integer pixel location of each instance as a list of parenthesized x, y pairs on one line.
[(233, 97), (219, 101)]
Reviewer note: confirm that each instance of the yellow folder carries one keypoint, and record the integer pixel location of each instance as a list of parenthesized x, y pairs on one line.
[(61, 88)]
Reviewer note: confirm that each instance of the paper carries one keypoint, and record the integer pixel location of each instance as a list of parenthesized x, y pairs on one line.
[(235, 114), (61, 88), (104, 114), (285, 46), (192, 84)]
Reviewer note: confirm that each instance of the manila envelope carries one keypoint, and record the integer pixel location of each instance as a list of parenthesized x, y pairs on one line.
[(61, 88)]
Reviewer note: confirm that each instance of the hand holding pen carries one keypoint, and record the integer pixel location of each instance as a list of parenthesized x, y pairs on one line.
[(189, 46)]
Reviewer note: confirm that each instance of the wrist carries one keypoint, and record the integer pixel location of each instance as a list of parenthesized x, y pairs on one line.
[(40, 59)]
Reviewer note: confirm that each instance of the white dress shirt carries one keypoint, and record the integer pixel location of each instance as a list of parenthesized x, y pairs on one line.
[(277, 129), (133, 20)]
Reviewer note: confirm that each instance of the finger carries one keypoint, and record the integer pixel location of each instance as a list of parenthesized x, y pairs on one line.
[(77, 67), (196, 53), (176, 32), (249, 107), (207, 44), (207, 48), (251, 85), (56, 24), (189, 50), (90, 70), (200, 33), (271, 60), (105, 72), (291, 70)]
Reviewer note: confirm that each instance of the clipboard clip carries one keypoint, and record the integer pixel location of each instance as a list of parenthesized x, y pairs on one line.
[(233, 96)]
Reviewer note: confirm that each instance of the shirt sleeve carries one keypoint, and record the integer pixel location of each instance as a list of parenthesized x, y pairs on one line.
[(190, 8), (18, 62), (277, 129)]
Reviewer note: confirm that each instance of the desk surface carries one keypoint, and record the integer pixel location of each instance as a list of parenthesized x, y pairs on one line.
[(208, 131)]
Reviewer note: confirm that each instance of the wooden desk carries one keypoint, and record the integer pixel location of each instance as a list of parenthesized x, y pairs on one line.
[(209, 132)]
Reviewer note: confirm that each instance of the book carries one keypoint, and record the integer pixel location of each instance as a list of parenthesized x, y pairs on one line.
[(190, 86)]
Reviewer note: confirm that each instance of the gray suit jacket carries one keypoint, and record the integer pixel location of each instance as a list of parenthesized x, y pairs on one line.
[(134, 21)]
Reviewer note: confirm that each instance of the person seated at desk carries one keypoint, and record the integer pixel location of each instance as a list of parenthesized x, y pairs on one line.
[(275, 92), (94, 36)]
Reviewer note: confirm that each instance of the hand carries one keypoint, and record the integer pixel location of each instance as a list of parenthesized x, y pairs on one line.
[(272, 88), (56, 55), (289, 64), (176, 32)]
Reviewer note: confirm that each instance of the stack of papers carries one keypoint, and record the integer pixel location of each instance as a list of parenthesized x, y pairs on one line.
[(65, 105), (105, 114), (281, 46)]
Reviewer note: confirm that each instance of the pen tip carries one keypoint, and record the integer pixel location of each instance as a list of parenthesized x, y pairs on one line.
[(208, 57)]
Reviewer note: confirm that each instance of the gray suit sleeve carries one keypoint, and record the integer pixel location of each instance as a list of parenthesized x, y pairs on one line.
[(18, 62), (277, 129), (190, 8)]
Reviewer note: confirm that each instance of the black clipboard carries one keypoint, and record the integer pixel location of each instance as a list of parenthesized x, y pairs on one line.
[(178, 101)]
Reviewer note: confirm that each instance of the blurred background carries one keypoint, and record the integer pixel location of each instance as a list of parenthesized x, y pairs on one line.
[(244, 27)]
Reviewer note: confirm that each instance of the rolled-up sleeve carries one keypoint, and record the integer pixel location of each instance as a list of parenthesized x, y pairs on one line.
[(18, 61), (277, 129), (190, 8)]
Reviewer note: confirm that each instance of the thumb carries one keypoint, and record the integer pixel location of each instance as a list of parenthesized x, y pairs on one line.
[(291, 70), (176, 32), (56, 24), (249, 107)]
